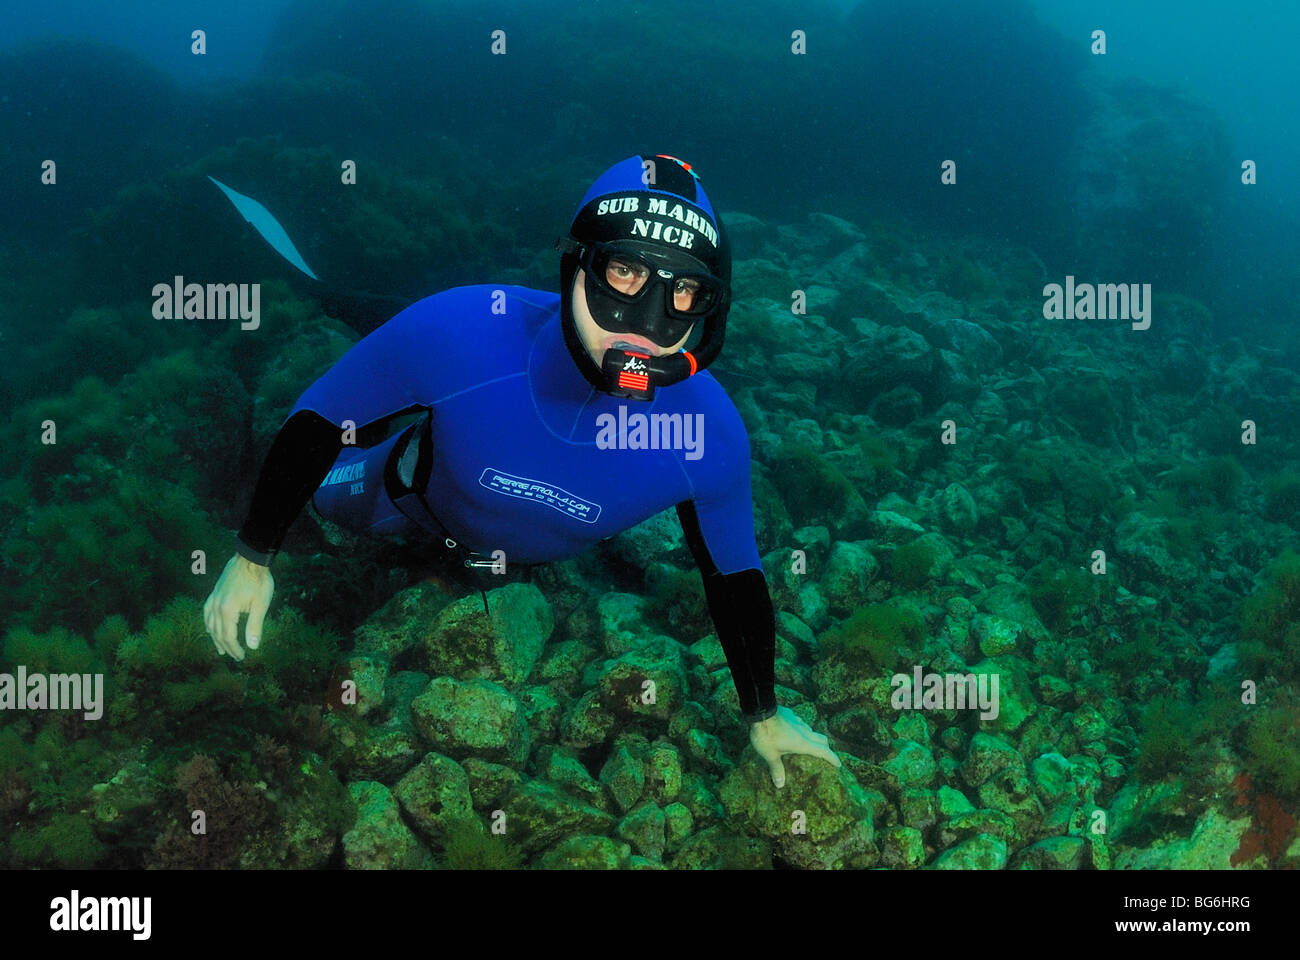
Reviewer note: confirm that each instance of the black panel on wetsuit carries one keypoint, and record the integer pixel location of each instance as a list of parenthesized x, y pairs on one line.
[(741, 608), (300, 457)]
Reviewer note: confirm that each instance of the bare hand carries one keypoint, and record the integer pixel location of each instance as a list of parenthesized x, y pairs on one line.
[(786, 733), (244, 587)]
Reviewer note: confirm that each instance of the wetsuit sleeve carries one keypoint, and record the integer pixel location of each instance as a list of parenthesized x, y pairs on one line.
[(741, 608), (302, 454), (384, 375)]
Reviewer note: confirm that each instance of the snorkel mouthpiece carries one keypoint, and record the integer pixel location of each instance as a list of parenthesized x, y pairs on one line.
[(634, 373)]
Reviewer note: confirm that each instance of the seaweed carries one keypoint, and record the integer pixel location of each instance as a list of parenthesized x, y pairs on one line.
[(1171, 728), (470, 847), (876, 635), (1270, 622), (812, 488), (910, 565)]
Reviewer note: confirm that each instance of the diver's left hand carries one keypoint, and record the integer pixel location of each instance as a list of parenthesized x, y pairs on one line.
[(786, 733)]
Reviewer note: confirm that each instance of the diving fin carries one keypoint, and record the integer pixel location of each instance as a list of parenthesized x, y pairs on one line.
[(267, 226)]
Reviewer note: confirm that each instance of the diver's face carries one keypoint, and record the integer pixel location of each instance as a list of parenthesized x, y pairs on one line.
[(597, 339)]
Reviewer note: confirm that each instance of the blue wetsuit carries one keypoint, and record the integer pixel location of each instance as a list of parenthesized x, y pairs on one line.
[(516, 464)]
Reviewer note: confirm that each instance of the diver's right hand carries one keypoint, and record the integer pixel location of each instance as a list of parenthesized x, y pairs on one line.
[(244, 587)]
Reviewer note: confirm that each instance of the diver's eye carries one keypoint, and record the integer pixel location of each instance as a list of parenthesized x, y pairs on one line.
[(624, 276), (685, 291)]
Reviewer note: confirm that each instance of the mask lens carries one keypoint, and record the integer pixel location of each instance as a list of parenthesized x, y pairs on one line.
[(626, 275), (694, 296), (691, 292)]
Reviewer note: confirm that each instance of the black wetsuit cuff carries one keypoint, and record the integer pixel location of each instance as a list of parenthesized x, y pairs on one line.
[(758, 716), (256, 556)]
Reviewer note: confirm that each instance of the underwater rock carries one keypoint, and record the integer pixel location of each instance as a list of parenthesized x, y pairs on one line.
[(812, 538), (646, 683), (126, 801), (957, 509), (380, 840), (747, 231), (1223, 663), (586, 723), (969, 340), (699, 796), (714, 848), (399, 690), (621, 622), (1089, 724), (1214, 840), (912, 765), (561, 766), (1142, 543), (822, 800), (902, 848), (650, 541), (311, 816), (918, 807), (624, 775), (761, 278), (542, 711), (1010, 600), (797, 632), (889, 526), (397, 626), (841, 685), (835, 229), (1054, 853), (434, 794), (587, 852), (705, 750), (849, 571), (978, 853), (802, 431), (1011, 793), (370, 752), (1050, 775), (472, 718), (465, 643), (678, 823), (989, 755), (953, 802), (562, 664), (489, 782), (1184, 366), (812, 369), (539, 814), (1054, 690), (810, 606), (645, 828), (663, 772), (889, 357), (708, 651), (973, 823), (369, 674), (897, 406), (995, 635)]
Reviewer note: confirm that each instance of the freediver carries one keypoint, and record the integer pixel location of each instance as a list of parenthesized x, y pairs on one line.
[(511, 384)]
